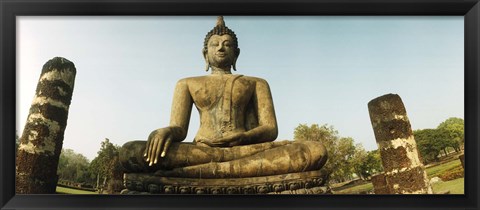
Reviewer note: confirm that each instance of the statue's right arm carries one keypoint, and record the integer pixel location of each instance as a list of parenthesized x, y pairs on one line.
[(159, 140), (181, 111)]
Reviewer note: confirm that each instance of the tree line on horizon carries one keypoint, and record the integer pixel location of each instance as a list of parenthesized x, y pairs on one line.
[(448, 136), (104, 173), (347, 160)]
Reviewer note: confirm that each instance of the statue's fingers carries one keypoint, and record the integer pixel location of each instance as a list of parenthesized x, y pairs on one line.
[(217, 144), (154, 147), (147, 147), (235, 143), (225, 141), (219, 141), (157, 150), (166, 146)]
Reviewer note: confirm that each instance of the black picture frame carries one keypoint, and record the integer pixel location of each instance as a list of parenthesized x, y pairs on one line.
[(9, 9)]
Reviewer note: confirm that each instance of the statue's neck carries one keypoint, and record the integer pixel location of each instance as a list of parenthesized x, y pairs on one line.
[(217, 70)]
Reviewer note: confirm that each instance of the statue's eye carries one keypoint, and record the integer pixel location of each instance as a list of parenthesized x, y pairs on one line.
[(214, 44)]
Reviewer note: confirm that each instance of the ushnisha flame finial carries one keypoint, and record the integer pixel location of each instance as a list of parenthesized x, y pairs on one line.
[(220, 21)]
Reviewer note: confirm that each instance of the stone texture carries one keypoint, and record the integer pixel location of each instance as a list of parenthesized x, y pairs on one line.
[(42, 138), (380, 184), (411, 181), (389, 118), (435, 180), (404, 173), (190, 160), (394, 158), (294, 183), (462, 160)]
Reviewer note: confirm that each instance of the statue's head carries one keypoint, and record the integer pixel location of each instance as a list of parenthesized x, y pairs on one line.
[(220, 48)]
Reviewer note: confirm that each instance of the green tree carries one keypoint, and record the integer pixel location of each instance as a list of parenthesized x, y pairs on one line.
[(432, 142), (429, 143), (107, 167), (366, 163), (358, 161), (344, 152), (340, 150), (73, 167), (373, 163), (454, 131)]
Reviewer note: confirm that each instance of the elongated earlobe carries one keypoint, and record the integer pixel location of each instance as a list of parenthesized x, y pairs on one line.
[(233, 65), (207, 65), (235, 59)]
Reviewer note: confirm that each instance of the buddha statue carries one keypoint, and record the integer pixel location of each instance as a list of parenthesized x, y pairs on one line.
[(237, 127)]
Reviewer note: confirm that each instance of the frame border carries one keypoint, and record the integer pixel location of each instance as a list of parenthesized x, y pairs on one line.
[(9, 9)]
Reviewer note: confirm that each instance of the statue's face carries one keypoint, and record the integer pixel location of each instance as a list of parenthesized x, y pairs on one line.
[(220, 51)]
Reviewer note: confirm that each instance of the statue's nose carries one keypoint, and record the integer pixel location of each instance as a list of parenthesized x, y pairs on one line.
[(221, 48)]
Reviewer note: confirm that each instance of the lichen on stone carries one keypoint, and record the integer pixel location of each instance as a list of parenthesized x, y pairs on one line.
[(63, 75), (44, 100)]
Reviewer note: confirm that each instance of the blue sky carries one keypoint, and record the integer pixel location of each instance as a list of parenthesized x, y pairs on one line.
[(322, 69)]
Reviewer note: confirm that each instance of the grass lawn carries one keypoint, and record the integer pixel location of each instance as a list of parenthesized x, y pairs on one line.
[(64, 190), (356, 189), (448, 166), (455, 186)]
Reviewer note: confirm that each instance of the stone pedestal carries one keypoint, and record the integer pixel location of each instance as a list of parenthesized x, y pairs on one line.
[(404, 172), (294, 183)]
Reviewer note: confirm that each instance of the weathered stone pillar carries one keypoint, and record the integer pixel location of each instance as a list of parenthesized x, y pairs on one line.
[(42, 138), (380, 184), (462, 160), (404, 173)]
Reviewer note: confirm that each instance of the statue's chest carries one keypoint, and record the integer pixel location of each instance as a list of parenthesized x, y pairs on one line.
[(222, 92)]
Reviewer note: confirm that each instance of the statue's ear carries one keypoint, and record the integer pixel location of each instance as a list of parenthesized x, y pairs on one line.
[(207, 65), (237, 53)]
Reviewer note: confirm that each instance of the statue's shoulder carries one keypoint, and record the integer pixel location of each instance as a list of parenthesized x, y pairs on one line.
[(256, 79), (187, 80), (201, 79)]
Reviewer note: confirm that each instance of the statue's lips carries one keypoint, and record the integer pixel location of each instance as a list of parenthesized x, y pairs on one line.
[(221, 54)]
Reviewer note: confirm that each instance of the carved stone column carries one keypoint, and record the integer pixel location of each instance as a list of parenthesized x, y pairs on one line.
[(42, 138), (462, 160), (404, 173), (380, 184)]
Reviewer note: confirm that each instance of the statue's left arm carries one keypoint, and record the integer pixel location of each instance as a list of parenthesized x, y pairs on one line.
[(267, 129)]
